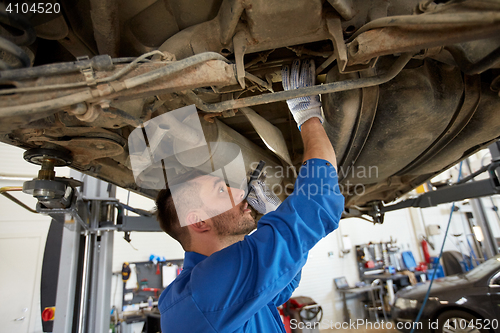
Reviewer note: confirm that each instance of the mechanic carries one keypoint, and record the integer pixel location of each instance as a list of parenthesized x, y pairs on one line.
[(232, 281)]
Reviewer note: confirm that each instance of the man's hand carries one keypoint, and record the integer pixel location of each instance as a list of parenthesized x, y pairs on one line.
[(303, 108), (261, 198), (307, 112)]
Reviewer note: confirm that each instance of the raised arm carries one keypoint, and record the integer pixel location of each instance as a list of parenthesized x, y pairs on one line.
[(307, 111), (316, 142)]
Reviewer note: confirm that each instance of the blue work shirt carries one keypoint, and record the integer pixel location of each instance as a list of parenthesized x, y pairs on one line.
[(238, 288)]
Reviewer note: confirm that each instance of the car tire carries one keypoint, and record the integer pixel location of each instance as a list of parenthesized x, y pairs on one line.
[(457, 321)]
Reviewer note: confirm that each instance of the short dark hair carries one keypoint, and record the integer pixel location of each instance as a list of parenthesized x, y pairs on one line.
[(187, 195)]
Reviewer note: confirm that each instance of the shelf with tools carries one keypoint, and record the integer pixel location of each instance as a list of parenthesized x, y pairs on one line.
[(148, 279)]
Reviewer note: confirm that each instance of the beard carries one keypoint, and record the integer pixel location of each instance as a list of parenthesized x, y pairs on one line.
[(233, 222)]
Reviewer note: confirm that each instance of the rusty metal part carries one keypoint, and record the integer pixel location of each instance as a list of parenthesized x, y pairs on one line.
[(240, 46), (262, 57), (210, 117), (101, 114), (302, 92), (91, 113), (87, 72), (228, 17), (326, 63), (60, 133), (270, 134), (104, 14), (340, 50), (75, 45), (344, 7), (54, 29), (432, 20), (301, 50), (86, 150), (267, 27), (392, 40), (4, 190), (77, 109), (197, 71), (259, 81)]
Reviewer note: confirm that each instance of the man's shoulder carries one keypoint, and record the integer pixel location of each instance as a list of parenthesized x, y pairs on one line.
[(176, 291)]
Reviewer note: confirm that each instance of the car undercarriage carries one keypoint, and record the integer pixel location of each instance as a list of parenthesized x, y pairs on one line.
[(408, 88)]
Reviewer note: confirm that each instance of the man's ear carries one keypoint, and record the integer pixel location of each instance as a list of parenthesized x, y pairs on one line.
[(196, 221)]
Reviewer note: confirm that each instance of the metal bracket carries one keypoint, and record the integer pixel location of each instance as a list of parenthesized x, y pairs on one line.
[(240, 46), (455, 192), (88, 72), (340, 50)]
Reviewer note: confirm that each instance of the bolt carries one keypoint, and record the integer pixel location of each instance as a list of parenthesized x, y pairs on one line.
[(99, 146)]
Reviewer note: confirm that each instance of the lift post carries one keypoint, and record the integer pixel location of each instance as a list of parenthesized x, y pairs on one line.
[(90, 214)]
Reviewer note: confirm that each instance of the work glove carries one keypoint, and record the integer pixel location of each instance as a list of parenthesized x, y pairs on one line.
[(261, 198), (302, 108)]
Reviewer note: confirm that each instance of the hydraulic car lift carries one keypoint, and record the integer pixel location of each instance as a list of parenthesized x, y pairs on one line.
[(77, 266), (467, 188)]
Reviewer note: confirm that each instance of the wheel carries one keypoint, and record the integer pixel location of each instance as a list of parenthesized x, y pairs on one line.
[(457, 321)]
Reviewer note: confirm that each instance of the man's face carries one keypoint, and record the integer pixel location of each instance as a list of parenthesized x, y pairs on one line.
[(225, 205)]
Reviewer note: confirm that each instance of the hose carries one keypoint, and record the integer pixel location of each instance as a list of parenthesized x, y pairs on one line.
[(16, 51), (329, 88), (415, 323)]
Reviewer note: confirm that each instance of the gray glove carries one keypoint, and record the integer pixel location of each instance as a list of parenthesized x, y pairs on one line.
[(302, 108), (261, 198)]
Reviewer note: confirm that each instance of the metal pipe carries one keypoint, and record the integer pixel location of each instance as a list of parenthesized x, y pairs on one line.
[(4, 190), (483, 18), (16, 178), (84, 286), (52, 104), (482, 220), (106, 79), (84, 95), (100, 63), (329, 88), (172, 68), (259, 81)]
